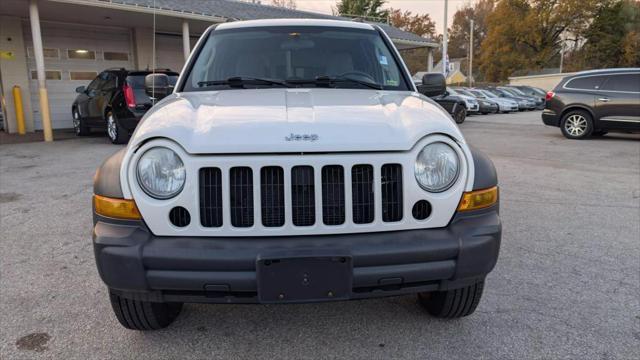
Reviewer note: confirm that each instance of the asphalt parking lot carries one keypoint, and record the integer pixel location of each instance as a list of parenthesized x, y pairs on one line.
[(567, 284)]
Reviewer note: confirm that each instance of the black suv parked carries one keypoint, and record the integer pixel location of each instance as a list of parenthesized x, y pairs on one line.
[(115, 100), (454, 105), (595, 102)]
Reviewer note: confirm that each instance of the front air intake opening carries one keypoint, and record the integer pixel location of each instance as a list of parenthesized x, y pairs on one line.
[(179, 216), (421, 210)]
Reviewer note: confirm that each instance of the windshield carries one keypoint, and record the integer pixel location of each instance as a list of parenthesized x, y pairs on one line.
[(477, 94), (516, 91), (498, 92), (538, 91), (510, 92), (489, 94), (465, 92), (295, 56)]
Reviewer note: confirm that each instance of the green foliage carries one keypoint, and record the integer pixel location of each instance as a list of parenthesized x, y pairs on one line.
[(459, 31), (370, 9), (526, 34), (421, 25), (612, 39)]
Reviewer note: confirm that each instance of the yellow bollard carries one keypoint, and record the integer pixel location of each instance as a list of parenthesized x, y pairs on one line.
[(17, 102), (44, 112)]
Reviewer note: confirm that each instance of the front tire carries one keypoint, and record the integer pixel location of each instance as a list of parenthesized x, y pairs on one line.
[(459, 115), (576, 125), (454, 303), (117, 134), (143, 315)]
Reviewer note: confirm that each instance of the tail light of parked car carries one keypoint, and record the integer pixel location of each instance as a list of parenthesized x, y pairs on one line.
[(550, 95), (129, 96)]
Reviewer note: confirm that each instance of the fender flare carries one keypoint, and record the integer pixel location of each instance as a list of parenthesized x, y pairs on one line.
[(485, 172), (106, 181)]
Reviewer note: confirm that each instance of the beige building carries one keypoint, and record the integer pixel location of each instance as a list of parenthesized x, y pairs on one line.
[(546, 82)]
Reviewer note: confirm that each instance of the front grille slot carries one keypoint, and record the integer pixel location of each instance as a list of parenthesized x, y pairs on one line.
[(302, 195), (210, 197), (333, 195), (303, 207), (241, 196), (391, 192), (272, 196), (362, 196)]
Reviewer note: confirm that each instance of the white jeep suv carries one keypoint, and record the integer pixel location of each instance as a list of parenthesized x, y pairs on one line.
[(294, 161)]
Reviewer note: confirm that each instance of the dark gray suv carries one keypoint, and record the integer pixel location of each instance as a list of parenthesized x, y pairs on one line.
[(592, 103)]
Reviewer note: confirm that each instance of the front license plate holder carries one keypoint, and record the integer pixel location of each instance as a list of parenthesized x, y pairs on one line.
[(304, 279)]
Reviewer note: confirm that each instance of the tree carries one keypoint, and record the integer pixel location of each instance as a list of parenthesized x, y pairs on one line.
[(631, 49), (526, 34), (459, 32), (421, 25), (289, 4), (612, 39), (369, 9)]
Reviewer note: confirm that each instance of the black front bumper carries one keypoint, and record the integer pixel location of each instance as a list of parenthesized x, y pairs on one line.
[(486, 108), (136, 264)]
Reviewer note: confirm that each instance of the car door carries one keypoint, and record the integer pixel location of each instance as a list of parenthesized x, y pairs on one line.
[(618, 102), (84, 98), (97, 98)]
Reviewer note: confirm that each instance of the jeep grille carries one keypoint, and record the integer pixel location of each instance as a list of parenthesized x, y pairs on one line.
[(301, 199)]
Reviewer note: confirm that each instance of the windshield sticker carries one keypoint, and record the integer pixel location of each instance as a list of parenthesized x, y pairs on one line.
[(383, 60)]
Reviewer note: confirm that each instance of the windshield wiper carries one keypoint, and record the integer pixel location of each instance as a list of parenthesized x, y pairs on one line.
[(240, 82), (328, 81)]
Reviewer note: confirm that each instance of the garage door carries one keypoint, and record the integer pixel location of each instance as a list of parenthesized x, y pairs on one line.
[(74, 55), (169, 53)]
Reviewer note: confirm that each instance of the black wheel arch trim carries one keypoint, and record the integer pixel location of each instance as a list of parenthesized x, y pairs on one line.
[(573, 107), (107, 179), (485, 172)]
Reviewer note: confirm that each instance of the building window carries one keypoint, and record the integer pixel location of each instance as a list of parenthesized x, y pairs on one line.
[(49, 53), (116, 56), (81, 54), (49, 75), (82, 75)]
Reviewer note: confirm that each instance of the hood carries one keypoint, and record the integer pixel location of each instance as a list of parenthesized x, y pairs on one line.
[(467, 98), (280, 120)]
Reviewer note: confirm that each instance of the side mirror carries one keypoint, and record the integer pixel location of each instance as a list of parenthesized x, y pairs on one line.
[(157, 86), (81, 89), (433, 84)]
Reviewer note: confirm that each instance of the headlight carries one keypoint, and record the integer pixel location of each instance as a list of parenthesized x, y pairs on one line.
[(161, 173), (437, 167)]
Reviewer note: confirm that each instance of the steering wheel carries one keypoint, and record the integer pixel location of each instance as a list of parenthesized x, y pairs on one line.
[(357, 73)]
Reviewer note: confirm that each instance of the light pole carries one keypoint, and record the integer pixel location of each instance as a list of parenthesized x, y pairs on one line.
[(445, 63), (471, 54), (561, 53)]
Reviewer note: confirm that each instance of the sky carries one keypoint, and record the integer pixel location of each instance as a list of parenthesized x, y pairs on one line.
[(435, 8)]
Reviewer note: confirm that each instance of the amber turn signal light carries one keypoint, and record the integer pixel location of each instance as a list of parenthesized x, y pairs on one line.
[(478, 199), (116, 208)]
